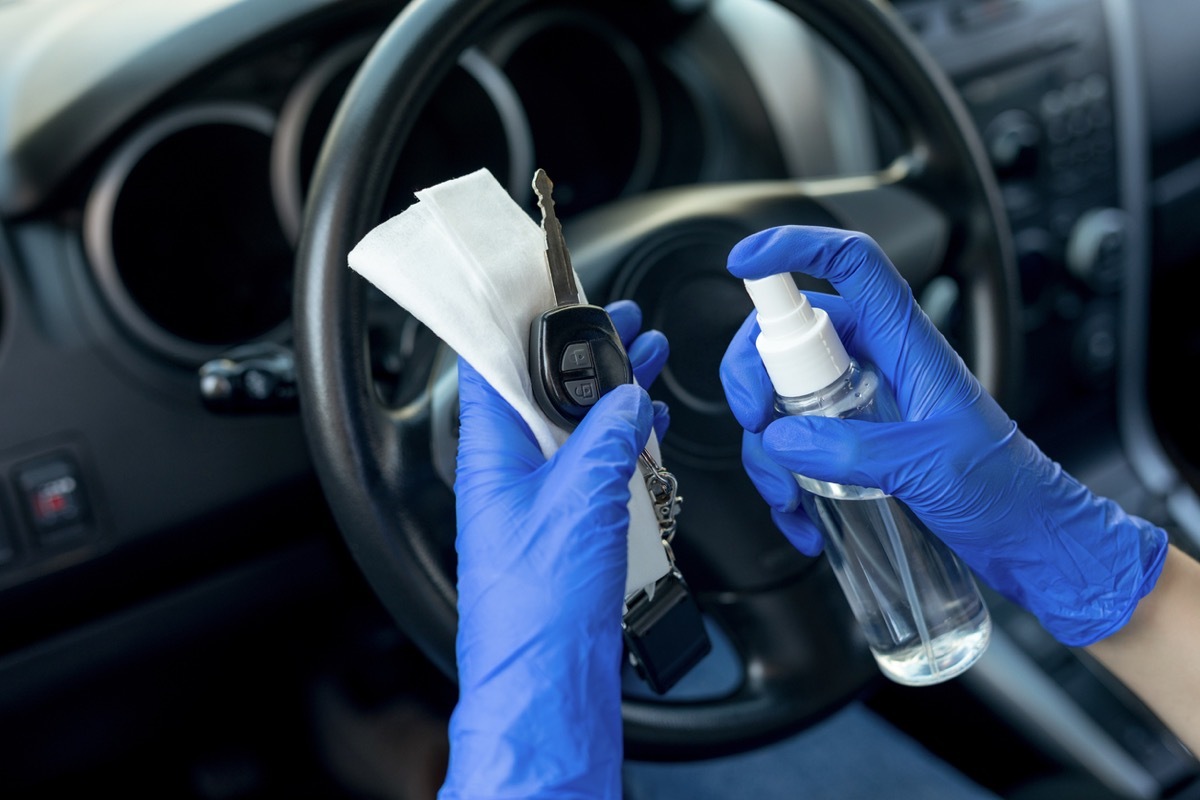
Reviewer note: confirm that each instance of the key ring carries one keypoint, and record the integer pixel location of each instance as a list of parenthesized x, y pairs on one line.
[(664, 494)]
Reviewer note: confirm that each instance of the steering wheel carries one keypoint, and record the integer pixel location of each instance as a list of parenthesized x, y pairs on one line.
[(935, 210)]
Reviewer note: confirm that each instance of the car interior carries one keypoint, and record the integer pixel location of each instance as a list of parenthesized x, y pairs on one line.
[(227, 463)]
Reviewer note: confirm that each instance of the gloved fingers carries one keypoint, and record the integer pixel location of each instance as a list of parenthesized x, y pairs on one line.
[(601, 454), (855, 266), (647, 355), (852, 262), (779, 488), (662, 418), (804, 535), (842, 451), (647, 350), (492, 435), (627, 319), (776, 485), (892, 330), (748, 388), (944, 466)]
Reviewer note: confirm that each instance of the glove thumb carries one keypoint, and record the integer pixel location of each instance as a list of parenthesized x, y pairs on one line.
[(601, 454)]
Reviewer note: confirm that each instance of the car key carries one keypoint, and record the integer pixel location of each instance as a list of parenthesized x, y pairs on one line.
[(575, 356), (575, 353)]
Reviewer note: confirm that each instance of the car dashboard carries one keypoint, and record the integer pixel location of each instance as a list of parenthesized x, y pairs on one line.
[(158, 505)]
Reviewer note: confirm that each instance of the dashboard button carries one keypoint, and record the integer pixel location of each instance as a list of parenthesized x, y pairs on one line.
[(55, 503), (1096, 250), (1012, 141)]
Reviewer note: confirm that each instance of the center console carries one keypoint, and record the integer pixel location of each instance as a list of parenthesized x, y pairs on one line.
[(1038, 78)]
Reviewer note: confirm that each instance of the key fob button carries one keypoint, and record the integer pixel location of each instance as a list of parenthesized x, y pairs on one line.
[(576, 355), (586, 392)]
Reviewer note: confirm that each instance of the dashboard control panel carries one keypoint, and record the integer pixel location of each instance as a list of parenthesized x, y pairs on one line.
[(1038, 80)]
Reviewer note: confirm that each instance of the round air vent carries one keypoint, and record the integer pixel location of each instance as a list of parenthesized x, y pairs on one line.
[(182, 234), (473, 120), (601, 89)]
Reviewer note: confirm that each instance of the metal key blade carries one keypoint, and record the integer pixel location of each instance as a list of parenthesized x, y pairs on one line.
[(558, 259)]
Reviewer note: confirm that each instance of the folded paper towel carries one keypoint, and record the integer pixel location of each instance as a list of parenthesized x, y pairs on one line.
[(469, 263)]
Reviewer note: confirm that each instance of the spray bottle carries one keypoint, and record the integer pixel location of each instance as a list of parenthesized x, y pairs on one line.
[(917, 604)]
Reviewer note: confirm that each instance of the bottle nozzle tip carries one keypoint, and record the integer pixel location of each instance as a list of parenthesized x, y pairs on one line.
[(776, 297)]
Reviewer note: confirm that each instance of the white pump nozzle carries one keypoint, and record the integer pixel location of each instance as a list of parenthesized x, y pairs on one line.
[(798, 344)]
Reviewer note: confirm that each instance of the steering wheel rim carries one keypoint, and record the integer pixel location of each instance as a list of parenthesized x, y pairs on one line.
[(374, 463)]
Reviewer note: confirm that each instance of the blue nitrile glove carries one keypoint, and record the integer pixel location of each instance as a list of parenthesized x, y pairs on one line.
[(541, 580), (1077, 561)]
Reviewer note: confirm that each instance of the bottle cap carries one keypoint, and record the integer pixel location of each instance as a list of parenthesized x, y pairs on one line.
[(798, 343)]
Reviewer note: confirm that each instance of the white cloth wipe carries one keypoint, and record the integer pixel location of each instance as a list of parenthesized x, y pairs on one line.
[(469, 263)]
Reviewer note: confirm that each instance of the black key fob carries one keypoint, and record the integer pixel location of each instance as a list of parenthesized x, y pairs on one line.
[(575, 357)]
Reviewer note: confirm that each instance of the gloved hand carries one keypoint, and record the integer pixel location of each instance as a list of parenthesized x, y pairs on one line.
[(541, 580), (1077, 561)]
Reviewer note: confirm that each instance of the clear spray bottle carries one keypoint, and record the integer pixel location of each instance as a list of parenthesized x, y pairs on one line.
[(917, 604)]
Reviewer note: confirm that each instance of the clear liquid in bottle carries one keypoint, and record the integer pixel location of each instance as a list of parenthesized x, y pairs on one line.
[(917, 604)]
